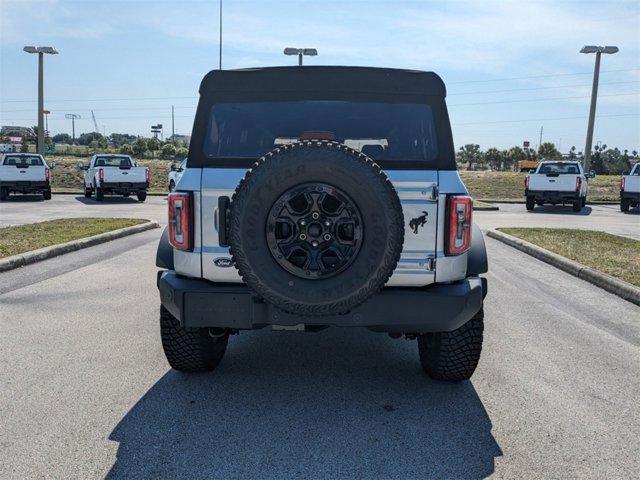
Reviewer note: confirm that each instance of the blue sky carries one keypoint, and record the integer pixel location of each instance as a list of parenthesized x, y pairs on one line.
[(510, 67)]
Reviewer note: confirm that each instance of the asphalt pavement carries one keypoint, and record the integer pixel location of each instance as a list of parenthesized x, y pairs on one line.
[(86, 391), (20, 209), (606, 218)]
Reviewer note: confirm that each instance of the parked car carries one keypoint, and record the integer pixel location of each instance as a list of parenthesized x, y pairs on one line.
[(175, 173), (6, 148), (630, 189), (278, 222), (114, 175), (26, 173), (557, 182)]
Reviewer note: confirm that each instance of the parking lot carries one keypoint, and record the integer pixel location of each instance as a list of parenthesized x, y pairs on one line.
[(89, 393)]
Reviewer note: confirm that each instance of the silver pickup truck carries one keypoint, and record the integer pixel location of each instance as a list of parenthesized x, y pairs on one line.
[(317, 197), (114, 175), (25, 173)]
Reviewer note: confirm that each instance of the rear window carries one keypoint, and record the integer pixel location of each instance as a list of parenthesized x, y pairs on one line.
[(114, 161), (32, 160), (384, 131), (560, 168)]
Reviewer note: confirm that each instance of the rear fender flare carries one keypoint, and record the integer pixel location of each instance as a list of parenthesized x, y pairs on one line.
[(164, 254), (477, 256)]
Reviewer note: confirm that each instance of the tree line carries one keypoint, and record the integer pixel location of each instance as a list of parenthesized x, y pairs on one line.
[(604, 160)]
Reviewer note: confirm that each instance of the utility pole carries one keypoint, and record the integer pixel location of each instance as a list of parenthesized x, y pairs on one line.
[(594, 96), (220, 28), (73, 117), (173, 129), (40, 51), (540, 142)]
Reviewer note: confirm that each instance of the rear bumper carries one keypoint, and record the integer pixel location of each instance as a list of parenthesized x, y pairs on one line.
[(437, 308), (124, 187), (552, 196), (633, 196), (26, 186)]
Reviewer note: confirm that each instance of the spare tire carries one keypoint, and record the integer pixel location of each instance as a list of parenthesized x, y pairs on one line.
[(315, 228)]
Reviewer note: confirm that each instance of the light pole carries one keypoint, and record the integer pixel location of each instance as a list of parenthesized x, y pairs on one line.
[(73, 117), (40, 51), (300, 52), (594, 95)]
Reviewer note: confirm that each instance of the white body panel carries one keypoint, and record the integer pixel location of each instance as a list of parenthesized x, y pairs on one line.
[(632, 181), (22, 173)]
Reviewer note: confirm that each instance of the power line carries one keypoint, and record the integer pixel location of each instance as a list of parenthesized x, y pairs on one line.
[(540, 99), (537, 88), (540, 76), (545, 119)]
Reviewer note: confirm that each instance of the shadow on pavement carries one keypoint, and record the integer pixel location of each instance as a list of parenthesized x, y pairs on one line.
[(560, 210), (330, 404), (24, 198), (107, 200)]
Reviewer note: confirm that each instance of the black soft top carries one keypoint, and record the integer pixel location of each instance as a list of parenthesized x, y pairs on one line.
[(322, 81)]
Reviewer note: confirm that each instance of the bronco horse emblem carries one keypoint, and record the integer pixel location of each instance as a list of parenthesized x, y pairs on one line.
[(418, 222)]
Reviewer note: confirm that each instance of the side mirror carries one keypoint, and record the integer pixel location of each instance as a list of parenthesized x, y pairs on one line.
[(173, 167), (626, 173), (532, 170), (52, 165), (592, 173), (80, 166)]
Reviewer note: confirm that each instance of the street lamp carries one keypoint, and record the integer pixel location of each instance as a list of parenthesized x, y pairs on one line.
[(594, 95), (300, 52), (41, 52)]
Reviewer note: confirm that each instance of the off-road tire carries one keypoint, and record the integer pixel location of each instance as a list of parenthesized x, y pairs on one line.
[(99, 193), (88, 193), (46, 194), (531, 203), (343, 168), (577, 205), (584, 202), (142, 196), (452, 356), (190, 349), (625, 204), (4, 194)]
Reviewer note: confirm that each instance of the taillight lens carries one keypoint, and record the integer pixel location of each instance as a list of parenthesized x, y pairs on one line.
[(147, 175), (622, 184), (459, 224), (526, 182), (578, 183), (180, 221), (47, 174), (101, 175)]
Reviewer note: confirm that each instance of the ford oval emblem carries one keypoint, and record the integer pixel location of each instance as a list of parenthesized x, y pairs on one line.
[(223, 262)]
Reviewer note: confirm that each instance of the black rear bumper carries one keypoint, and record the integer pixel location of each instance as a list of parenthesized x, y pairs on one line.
[(633, 196), (26, 186), (124, 187), (550, 196), (437, 308)]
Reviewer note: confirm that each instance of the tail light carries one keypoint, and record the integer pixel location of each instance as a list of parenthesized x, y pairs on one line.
[(147, 175), (47, 174), (101, 175), (578, 183), (180, 221), (622, 184), (526, 182), (459, 224)]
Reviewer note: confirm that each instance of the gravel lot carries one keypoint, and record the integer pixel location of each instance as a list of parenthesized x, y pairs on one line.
[(86, 391)]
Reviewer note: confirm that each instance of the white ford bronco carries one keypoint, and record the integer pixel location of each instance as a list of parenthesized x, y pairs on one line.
[(317, 197)]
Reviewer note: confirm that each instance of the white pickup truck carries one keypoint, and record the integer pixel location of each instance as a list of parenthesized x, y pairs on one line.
[(630, 189), (25, 173), (557, 182), (114, 175)]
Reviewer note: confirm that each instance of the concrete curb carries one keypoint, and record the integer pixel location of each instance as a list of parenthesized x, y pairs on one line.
[(515, 200), (491, 208), (34, 256), (620, 288), (149, 194)]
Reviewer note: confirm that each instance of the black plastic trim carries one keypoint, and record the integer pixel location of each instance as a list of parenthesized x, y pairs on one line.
[(164, 254), (477, 262), (436, 308)]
